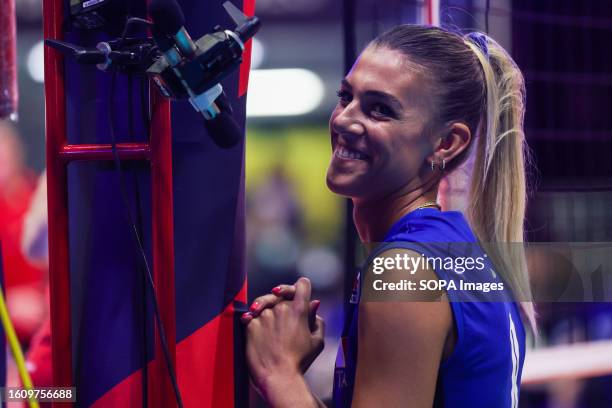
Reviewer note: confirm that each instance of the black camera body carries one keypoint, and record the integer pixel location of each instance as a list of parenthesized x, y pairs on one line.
[(217, 55)]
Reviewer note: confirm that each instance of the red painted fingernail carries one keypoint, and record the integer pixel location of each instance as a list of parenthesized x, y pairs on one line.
[(254, 306), (277, 290), (317, 303), (247, 315)]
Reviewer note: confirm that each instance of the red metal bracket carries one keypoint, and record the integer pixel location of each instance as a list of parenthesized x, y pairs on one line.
[(93, 152)]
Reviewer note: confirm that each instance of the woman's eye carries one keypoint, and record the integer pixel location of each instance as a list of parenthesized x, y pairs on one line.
[(380, 110), (345, 97)]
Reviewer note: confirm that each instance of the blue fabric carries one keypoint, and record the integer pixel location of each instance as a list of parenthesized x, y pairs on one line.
[(484, 368)]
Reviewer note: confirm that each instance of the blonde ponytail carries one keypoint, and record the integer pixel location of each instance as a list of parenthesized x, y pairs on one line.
[(498, 191)]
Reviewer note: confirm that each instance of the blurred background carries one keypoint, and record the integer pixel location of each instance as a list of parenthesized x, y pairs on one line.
[(296, 227)]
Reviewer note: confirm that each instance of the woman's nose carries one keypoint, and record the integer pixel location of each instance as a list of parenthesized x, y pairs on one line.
[(347, 121)]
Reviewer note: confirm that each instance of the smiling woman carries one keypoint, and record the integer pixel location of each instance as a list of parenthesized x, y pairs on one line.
[(393, 115), (415, 104)]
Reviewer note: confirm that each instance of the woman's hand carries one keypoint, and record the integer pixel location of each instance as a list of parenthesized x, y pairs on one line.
[(279, 293), (283, 339)]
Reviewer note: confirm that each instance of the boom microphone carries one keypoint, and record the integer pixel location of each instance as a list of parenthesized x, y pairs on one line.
[(167, 15), (170, 22), (179, 50), (223, 128)]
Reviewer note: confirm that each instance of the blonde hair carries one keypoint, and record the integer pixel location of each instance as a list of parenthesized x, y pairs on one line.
[(476, 82), (498, 190)]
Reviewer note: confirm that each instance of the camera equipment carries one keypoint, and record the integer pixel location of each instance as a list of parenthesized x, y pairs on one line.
[(180, 67)]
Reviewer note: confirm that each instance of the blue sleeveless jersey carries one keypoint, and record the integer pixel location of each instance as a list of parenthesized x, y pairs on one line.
[(484, 368)]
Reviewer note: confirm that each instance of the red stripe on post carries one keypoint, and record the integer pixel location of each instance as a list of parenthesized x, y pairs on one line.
[(429, 5), (248, 8), (57, 197), (162, 394)]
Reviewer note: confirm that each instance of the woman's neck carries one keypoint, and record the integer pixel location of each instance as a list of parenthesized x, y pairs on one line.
[(374, 218)]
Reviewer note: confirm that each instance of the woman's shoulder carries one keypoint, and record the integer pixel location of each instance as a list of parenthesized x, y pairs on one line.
[(431, 225)]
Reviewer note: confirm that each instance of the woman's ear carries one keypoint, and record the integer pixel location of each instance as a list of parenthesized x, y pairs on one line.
[(453, 142)]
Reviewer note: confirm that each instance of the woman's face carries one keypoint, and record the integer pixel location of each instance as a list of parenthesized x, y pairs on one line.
[(378, 136)]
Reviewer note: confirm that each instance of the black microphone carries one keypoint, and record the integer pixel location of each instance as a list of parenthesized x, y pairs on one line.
[(167, 15), (223, 128), (169, 31), (170, 22)]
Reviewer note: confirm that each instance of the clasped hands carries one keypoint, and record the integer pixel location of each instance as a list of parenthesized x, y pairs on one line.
[(284, 334)]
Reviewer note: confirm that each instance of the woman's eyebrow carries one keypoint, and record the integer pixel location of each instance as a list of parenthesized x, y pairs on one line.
[(388, 98)]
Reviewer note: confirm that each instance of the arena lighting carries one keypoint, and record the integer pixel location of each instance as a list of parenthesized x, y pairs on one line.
[(36, 62), (283, 92), (258, 53)]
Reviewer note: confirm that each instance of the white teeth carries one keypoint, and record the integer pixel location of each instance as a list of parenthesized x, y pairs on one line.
[(345, 153)]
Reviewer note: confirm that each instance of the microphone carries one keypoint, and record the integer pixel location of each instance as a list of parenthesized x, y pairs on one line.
[(223, 128), (167, 15), (176, 44), (170, 22), (195, 69)]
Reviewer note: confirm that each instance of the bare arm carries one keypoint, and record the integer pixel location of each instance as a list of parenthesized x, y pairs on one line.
[(289, 391), (400, 347)]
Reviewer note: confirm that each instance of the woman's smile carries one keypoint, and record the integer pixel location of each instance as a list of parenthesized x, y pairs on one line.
[(346, 153)]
